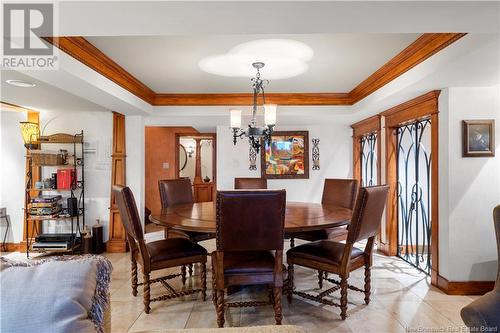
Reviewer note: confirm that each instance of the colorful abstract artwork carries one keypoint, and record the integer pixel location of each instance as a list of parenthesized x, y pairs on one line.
[(286, 156)]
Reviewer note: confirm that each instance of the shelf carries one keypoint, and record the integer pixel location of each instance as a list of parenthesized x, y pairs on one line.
[(76, 246), (47, 218), (53, 189), (71, 166)]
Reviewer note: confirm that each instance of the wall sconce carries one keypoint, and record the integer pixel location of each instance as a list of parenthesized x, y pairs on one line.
[(31, 133), (190, 151)]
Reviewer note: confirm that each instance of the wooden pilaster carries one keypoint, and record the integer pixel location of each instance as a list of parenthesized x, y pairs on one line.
[(117, 238)]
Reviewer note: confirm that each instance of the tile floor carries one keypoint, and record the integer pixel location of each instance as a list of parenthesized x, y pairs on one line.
[(402, 301)]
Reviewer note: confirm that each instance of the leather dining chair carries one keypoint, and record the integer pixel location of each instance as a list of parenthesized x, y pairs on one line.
[(250, 183), (166, 253), (483, 314), (249, 246), (339, 258), (337, 192), (177, 192)]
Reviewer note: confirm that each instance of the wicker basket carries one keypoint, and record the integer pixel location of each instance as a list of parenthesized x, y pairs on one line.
[(46, 158)]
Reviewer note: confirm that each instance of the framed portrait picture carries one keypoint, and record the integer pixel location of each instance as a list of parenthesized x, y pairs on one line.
[(286, 156), (478, 138)]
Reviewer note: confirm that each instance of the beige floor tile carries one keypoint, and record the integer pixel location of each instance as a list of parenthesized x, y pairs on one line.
[(417, 315), (368, 320), (164, 315), (450, 309), (124, 314)]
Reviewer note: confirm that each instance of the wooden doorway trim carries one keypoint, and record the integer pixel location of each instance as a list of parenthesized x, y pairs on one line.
[(117, 238), (212, 136), (422, 107)]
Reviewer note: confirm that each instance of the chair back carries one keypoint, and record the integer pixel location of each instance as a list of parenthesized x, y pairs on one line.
[(128, 212), (250, 183), (175, 192), (367, 214), (496, 221), (250, 220), (340, 192)]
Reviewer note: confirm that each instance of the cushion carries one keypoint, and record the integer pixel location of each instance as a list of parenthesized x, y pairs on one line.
[(325, 251), (330, 233), (55, 295), (173, 248), (248, 262)]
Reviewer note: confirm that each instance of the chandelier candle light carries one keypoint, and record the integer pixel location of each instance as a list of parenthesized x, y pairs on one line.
[(253, 132)]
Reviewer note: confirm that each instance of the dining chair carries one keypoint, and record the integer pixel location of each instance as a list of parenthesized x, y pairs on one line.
[(337, 192), (250, 183), (177, 192), (339, 258), (152, 256), (249, 246)]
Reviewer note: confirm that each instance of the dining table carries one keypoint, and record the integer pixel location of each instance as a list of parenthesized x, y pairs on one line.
[(299, 217)]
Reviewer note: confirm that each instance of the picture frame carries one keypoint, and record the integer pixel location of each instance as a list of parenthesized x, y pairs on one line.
[(287, 156), (478, 138)]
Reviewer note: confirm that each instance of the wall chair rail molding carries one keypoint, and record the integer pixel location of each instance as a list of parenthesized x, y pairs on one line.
[(421, 49)]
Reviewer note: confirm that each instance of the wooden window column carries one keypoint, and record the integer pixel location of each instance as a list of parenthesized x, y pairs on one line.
[(360, 129), (117, 241)]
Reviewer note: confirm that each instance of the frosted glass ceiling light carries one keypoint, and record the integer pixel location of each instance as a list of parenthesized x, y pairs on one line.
[(285, 59)]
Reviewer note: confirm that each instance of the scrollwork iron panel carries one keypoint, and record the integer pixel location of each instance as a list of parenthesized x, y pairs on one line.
[(368, 160), (315, 154), (414, 193)]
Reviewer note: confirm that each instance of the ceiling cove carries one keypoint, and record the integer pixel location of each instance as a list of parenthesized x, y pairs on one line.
[(421, 49)]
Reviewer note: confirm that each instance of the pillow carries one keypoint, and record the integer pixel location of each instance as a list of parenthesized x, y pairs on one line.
[(58, 294)]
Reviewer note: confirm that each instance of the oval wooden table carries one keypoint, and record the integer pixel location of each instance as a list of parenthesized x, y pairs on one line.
[(299, 216)]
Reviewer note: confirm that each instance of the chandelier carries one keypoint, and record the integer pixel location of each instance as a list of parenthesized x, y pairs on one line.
[(257, 135)]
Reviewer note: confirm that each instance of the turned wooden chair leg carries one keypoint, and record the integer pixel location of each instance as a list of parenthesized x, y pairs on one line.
[(190, 268), (270, 294), (134, 277), (320, 279), (220, 308), (292, 242), (277, 306), (343, 297), (147, 295), (204, 281), (214, 290), (183, 274), (290, 287), (367, 284)]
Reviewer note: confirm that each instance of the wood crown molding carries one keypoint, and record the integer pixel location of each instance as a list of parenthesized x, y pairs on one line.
[(366, 126), (247, 99), (421, 49), (417, 108), (464, 287), (83, 51)]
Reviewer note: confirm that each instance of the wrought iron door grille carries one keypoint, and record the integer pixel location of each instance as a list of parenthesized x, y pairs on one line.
[(414, 193), (368, 160)]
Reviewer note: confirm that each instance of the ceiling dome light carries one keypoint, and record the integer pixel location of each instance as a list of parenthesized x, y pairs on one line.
[(20, 83), (285, 58)]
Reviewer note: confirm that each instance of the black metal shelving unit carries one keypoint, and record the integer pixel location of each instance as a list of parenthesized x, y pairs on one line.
[(77, 190)]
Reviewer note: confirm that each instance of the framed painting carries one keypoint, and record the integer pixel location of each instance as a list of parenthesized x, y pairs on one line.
[(286, 156), (478, 138)]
